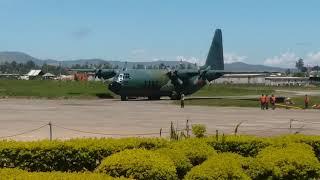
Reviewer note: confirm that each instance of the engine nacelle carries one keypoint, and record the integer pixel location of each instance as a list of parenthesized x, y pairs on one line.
[(105, 74)]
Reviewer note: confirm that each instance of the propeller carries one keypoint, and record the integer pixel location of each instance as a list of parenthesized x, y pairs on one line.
[(202, 73), (98, 73)]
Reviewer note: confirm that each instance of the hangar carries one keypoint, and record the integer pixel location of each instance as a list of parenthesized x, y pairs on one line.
[(287, 81), (241, 79), (262, 79)]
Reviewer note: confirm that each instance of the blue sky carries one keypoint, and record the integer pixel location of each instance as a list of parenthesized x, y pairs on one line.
[(269, 32)]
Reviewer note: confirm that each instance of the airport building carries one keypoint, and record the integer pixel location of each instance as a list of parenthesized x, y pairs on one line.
[(241, 79), (287, 81), (262, 79)]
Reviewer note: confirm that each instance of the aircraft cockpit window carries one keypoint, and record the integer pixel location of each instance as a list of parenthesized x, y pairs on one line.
[(126, 76), (120, 78)]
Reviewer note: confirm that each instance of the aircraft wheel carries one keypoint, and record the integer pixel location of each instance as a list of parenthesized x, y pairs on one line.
[(154, 97), (175, 96), (123, 98)]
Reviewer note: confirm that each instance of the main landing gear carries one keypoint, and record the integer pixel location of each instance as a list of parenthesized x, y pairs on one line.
[(124, 98), (175, 96)]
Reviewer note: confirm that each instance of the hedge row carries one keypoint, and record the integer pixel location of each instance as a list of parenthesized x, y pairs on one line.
[(287, 161), (222, 166), (87, 154), (7, 173), (72, 155), (243, 145), (278, 161), (139, 164)]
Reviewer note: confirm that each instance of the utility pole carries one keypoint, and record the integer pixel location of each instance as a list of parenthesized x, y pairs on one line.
[(50, 128)]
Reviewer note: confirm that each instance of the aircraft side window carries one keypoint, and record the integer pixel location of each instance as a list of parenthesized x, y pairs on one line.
[(150, 84)]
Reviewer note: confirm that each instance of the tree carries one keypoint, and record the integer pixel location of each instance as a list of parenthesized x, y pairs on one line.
[(288, 71), (30, 64), (315, 68), (300, 65), (140, 66), (162, 66)]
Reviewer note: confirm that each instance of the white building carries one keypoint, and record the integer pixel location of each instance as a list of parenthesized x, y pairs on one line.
[(262, 79), (241, 79), (287, 81), (32, 74)]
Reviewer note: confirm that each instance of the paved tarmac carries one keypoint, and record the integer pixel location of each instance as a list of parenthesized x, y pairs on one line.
[(136, 118)]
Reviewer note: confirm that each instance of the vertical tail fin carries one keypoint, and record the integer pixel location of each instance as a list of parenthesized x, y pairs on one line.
[(215, 55)]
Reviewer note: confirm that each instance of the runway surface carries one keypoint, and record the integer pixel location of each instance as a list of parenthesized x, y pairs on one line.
[(98, 118)]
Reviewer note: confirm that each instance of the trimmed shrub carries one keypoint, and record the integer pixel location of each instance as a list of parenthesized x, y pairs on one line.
[(243, 145), (7, 173), (180, 160), (196, 150), (72, 155), (138, 164), (199, 130), (313, 141), (288, 161), (222, 166)]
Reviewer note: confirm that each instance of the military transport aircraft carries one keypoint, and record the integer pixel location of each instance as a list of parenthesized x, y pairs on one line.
[(156, 83)]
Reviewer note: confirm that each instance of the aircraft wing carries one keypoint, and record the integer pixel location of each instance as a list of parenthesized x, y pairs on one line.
[(100, 73)]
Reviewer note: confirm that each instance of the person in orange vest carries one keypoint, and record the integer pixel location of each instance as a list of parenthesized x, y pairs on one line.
[(267, 102), (273, 102), (306, 102), (262, 101)]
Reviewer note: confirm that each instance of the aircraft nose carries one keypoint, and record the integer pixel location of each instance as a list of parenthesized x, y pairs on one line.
[(115, 87)]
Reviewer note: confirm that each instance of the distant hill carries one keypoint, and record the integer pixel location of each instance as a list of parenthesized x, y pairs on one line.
[(20, 57)]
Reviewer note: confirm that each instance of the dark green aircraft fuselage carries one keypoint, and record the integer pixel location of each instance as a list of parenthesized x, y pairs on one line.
[(154, 84)]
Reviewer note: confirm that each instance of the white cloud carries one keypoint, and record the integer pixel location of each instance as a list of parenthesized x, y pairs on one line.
[(190, 59), (286, 59), (233, 57), (228, 58), (312, 59)]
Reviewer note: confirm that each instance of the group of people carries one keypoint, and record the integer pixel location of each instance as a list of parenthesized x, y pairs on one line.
[(265, 100)]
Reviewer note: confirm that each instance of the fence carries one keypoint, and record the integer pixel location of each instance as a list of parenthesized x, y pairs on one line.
[(291, 128)]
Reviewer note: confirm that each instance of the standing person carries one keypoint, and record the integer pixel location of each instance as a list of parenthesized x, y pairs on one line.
[(262, 101), (273, 102), (306, 102), (182, 101), (267, 102)]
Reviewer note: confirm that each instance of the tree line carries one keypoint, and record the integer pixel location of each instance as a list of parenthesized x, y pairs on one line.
[(135, 66), (23, 68)]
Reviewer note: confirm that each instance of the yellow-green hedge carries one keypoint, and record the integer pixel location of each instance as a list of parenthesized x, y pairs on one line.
[(138, 164), (221, 166), (17, 174), (196, 150), (180, 160), (285, 161), (72, 155), (86, 154), (244, 145)]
